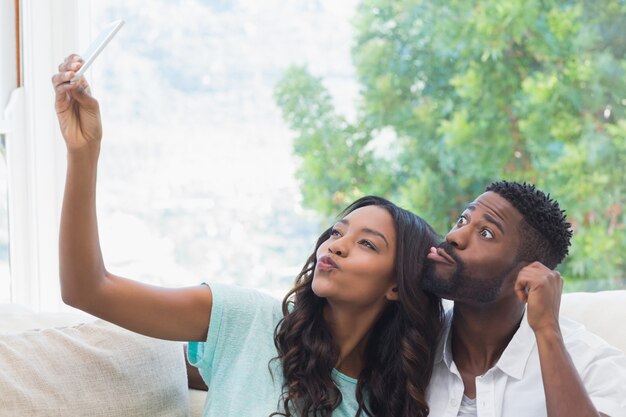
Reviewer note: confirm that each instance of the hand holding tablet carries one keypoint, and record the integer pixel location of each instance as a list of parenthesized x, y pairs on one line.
[(97, 46)]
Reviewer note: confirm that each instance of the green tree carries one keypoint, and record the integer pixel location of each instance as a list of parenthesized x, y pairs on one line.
[(471, 92)]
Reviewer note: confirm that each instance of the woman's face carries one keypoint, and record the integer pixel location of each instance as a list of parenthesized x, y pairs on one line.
[(355, 265)]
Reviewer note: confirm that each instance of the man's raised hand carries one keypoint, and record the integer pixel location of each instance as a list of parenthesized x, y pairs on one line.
[(540, 287)]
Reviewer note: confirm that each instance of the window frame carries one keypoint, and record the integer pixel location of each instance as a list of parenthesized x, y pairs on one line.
[(35, 152)]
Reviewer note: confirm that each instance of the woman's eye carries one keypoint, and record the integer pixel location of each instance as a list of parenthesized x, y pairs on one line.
[(334, 232), (486, 233), (368, 244)]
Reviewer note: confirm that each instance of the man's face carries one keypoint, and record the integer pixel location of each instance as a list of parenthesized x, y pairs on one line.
[(478, 254)]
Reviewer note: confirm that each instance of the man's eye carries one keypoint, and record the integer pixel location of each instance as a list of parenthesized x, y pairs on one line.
[(462, 221), (486, 233)]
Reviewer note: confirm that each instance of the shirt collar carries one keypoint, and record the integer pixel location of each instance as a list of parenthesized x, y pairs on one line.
[(514, 358), (444, 351)]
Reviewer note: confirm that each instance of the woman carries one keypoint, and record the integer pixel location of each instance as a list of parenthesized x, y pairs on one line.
[(356, 335)]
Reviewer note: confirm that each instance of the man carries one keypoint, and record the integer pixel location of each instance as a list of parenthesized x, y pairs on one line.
[(504, 351)]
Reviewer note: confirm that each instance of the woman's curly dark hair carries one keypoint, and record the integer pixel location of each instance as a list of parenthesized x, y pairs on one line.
[(400, 350)]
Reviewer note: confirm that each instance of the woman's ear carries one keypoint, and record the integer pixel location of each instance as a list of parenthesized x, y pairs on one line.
[(392, 294)]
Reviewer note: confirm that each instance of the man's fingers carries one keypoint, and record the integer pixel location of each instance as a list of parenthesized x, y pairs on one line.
[(558, 278), (536, 277), (521, 286)]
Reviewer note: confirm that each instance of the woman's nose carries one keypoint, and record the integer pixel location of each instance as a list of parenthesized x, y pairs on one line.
[(338, 247)]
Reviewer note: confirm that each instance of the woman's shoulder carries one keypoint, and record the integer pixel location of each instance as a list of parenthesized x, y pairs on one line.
[(243, 293), (232, 298)]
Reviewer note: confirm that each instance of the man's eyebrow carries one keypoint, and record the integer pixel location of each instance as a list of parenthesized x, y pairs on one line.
[(488, 217), (368, 230), (492, 219)]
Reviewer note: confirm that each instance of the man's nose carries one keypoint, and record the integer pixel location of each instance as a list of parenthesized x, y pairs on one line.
[(458, 237)]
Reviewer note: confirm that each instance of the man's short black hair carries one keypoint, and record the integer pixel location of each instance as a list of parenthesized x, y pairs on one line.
[(548, 238)]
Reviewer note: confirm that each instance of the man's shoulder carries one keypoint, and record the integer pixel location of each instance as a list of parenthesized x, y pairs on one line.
[(587, 348), (574, 332)]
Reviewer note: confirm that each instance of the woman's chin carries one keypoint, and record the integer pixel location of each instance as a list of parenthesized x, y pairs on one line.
[(320, 286)]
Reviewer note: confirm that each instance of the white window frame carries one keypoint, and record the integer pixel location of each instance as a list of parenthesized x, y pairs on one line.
[(50, 30)]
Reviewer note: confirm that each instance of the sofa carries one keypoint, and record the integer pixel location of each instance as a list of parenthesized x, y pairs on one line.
[(72, 364)]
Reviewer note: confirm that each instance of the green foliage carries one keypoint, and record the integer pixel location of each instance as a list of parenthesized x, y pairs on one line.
[(471, 92), (337, 167)]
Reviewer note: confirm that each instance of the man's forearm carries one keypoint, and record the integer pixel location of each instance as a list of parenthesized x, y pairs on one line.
[(566, 395)]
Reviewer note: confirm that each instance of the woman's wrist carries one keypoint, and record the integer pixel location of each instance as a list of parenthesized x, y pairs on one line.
[(86, 153)]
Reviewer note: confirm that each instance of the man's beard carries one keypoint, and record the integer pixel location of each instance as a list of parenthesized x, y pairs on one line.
[(463, 284)]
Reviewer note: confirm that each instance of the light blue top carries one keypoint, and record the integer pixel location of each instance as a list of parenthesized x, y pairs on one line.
[(234, 359)]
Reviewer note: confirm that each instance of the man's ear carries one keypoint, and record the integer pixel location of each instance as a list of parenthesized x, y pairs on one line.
[(392, 294)]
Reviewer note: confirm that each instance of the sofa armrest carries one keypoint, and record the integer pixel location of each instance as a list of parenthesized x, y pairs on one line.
[(91, 369)]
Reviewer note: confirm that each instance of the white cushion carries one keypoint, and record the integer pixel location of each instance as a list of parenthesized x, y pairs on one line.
[(16, 318), (603, 313), (197, 398), (93, 369)]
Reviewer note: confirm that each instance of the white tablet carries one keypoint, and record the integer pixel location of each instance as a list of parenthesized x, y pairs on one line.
[(97, 46)]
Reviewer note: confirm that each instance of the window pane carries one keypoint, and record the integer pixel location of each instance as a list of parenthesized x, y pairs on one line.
[(197, 173)]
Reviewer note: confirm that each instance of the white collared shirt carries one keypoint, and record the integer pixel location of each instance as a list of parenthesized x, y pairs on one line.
[(514, 388)]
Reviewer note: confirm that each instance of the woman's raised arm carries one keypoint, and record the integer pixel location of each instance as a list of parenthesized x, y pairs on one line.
[(175, 314)]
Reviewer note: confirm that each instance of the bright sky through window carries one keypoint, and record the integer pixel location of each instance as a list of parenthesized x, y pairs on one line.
[(197, 173)]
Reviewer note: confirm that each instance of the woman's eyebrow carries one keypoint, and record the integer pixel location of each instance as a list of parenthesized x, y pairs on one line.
[(376, 233), (368, 230)]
